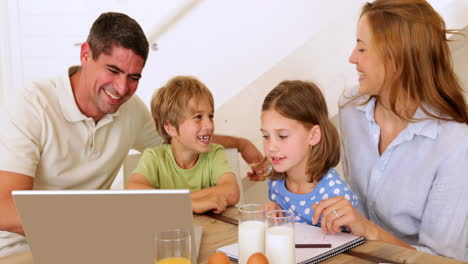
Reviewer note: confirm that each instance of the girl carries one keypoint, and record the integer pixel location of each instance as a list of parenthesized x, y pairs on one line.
[(303, 147)]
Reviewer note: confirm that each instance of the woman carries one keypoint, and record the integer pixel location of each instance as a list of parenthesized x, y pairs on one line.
[(405, 135)]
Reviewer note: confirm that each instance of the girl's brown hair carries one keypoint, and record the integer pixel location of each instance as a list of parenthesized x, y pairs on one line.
[(171, 102), (411, 35), (304, 102)]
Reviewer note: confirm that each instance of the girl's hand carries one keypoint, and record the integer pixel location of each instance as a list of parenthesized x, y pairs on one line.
[(270, 206), (337, 212), (260, 170)]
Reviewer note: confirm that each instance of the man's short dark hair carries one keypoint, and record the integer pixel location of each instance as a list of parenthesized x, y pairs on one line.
[(117, 29)]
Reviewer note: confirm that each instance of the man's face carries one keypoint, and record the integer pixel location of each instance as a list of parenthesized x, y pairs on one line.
[(110, 80)]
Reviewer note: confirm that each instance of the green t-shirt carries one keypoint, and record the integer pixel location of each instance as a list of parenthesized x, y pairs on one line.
[(158, 165)]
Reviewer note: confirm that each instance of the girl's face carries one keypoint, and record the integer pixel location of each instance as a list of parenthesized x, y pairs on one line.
[(285, 142), (368, 63)]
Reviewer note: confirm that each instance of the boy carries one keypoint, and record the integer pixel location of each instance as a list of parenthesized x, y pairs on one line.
[(183, 113)]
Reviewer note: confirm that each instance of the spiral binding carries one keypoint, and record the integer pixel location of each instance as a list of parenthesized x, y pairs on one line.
[(334, 251)]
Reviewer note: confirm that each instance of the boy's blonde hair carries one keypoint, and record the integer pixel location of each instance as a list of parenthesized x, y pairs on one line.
[(304, 102), (171, 102)]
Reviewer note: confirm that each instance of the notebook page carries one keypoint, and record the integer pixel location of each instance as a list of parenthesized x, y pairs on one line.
[(307, 234)]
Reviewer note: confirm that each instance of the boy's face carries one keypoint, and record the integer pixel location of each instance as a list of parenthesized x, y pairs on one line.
[(196, 128)]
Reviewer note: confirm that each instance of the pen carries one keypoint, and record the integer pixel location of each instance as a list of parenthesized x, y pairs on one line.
[(313, 245), (223, 218)]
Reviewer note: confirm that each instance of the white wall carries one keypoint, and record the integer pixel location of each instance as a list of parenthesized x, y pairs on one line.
[(10, 68), (3, 42), (228, 44), (454, 12), (460, 58)]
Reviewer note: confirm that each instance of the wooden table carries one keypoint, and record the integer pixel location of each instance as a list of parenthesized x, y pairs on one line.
[(217, 234)]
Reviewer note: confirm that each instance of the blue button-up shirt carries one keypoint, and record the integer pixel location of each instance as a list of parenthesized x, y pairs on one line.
[(417, 189)]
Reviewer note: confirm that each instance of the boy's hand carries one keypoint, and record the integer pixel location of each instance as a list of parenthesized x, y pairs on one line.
[(211, 201)]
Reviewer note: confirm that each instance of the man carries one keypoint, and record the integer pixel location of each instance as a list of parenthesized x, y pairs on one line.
[(74, 132)]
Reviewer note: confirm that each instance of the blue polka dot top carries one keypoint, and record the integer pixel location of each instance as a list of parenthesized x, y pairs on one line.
[(330, 185)]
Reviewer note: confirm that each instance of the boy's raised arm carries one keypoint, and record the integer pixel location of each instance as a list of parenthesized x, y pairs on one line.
[(247, 149)]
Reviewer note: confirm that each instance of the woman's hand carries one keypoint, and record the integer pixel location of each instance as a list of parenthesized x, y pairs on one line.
[(337, 212)]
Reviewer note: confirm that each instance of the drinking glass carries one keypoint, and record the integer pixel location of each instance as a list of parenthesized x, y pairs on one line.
[(280, 242), (173, 247), (251, 231)]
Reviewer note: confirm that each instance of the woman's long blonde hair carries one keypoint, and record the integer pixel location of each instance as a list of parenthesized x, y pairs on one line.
[(411, 36)]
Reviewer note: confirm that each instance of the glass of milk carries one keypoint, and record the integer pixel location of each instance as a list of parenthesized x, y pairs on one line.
[(251, 230), (280, 242)]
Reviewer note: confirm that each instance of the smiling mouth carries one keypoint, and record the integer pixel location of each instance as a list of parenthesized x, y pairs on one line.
[(111, 95), (361, 75), (276, 160), (204, 139)]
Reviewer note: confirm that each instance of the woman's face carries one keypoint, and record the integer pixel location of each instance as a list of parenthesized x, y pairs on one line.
[(368, 63)]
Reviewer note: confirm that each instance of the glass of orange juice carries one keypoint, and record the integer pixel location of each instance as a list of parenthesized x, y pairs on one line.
[(173, 247)]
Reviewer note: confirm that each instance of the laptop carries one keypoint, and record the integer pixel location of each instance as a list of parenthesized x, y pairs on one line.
[(102, 226)]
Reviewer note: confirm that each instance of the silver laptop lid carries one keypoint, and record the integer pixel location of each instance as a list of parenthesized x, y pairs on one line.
[(100, 226)]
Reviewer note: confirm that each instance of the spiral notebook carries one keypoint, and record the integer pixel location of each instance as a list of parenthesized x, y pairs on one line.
[(307, 234)]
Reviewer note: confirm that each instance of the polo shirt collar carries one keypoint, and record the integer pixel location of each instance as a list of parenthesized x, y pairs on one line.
[(67, 101)]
